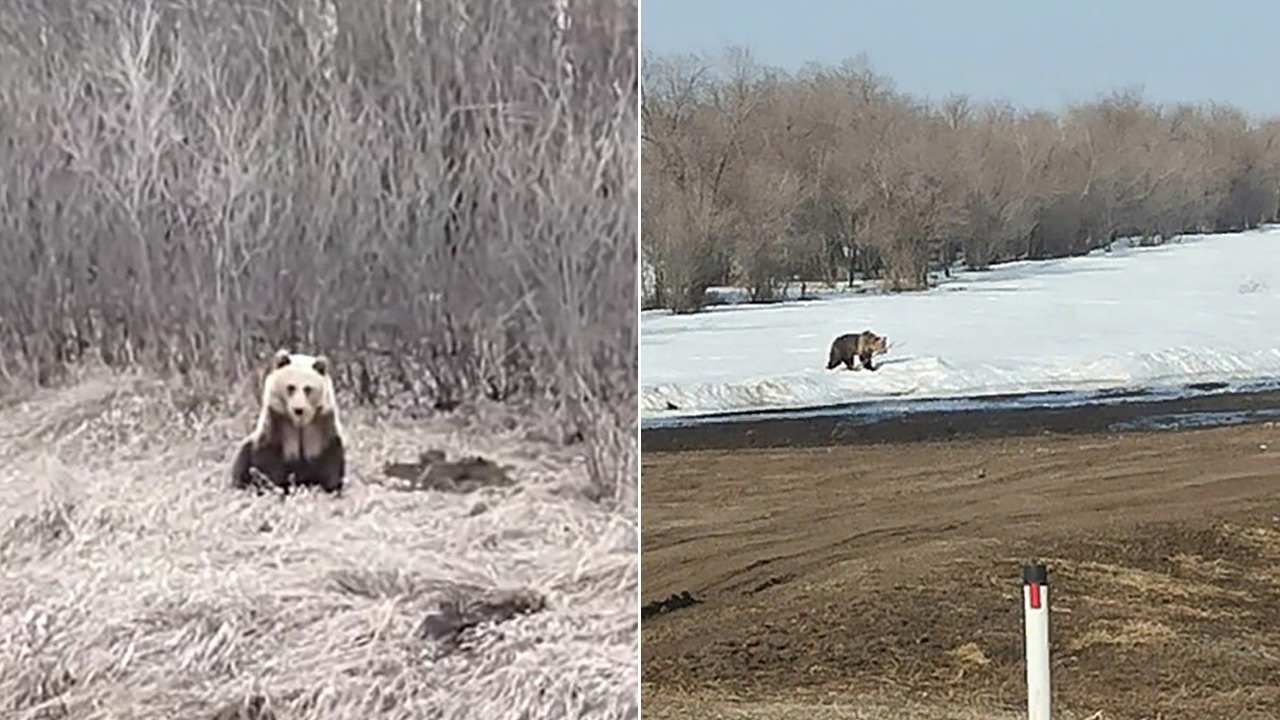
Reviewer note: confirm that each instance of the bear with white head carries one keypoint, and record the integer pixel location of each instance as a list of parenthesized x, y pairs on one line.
[(298, 439)]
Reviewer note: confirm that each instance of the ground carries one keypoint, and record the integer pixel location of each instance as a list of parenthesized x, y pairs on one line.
[(137, 583), (884, 580)]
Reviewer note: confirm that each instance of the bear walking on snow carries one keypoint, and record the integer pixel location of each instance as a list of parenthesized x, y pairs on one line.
[(298, 438), (861, 346)]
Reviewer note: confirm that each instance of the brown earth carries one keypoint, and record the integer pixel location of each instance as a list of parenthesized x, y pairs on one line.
[(884, 580)]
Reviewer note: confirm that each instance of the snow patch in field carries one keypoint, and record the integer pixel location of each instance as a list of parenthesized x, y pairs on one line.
[(1205, 309)]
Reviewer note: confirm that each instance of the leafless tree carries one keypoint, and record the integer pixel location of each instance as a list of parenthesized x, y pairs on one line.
[(759, 176)]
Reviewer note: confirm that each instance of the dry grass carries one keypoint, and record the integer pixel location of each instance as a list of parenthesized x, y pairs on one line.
[(1266, 541), (1126, 584), (137, 584), (823, 706), (970, 654), (1126, 633)]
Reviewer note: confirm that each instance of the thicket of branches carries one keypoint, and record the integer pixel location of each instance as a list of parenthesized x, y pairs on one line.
[(757, 177), (440, 195)]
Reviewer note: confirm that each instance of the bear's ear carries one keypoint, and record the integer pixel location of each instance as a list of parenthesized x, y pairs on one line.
[(281, 358), (321, 365)]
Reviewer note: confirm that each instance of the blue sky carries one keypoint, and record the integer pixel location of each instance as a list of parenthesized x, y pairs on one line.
[(1038, 54)]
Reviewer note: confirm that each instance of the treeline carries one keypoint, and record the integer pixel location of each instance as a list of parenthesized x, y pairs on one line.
[(757, 177), (439, 195)]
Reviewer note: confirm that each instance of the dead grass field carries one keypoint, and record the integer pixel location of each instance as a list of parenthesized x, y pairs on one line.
[(137, 584), (883, 581)]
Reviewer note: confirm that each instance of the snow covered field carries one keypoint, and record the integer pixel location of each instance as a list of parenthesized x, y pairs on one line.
[(1203, 309)]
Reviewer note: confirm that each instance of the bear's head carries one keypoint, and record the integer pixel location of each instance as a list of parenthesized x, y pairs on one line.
[(879, 343), (299, 388)]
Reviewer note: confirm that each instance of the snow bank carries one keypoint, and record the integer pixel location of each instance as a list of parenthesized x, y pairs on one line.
[(1204, 309)]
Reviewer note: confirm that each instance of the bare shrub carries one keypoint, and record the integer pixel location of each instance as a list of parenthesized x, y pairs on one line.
[(440, 195), (830, 170)]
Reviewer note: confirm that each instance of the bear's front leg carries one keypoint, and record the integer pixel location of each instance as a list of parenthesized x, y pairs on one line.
[(330, 468), (264, 459), (241, 468)]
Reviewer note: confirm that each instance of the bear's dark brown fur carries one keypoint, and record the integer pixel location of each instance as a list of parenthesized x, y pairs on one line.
[(852, 347), (298, 439)]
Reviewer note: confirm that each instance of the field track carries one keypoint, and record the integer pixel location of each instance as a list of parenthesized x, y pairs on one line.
[(883, 580)]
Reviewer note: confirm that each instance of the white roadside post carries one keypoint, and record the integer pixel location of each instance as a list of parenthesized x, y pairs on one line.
[(1035, 606)]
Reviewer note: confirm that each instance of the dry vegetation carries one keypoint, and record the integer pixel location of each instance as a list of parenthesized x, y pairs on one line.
[(758, 178), (137, 585), (819, 706), (440, 196)]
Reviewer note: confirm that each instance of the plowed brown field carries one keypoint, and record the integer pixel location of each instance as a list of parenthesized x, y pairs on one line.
[(884, 580)]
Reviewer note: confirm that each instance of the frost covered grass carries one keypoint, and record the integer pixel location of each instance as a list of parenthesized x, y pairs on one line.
[(1202, 309), (136, 583)]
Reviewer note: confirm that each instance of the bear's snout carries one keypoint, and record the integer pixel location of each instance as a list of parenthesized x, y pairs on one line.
[(301, 414)]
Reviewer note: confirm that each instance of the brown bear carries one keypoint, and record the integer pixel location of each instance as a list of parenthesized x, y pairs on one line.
[(298, 439), (857, 346)]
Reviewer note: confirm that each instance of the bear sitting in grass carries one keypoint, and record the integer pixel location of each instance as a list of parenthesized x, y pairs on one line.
[(298, 439)]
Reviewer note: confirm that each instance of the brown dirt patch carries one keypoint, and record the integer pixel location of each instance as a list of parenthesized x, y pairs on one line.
[(848, 575)]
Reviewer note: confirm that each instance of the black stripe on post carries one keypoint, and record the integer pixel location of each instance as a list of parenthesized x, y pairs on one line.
[(1035, 575)]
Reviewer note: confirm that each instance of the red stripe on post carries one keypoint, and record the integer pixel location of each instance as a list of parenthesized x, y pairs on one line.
[(1034, 595)]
